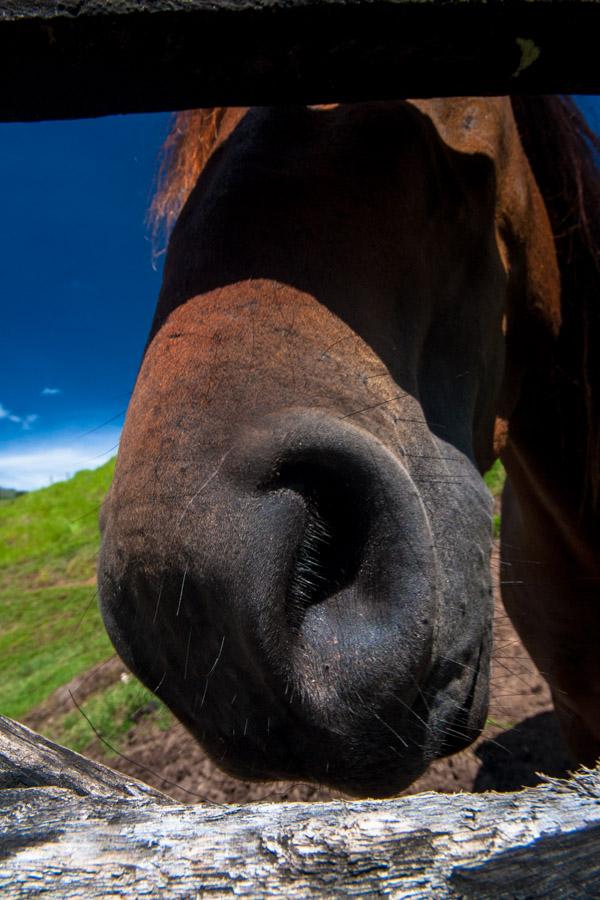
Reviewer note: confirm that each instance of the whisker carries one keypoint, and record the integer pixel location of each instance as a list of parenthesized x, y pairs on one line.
[(389, 727), (181, 591), (139, 765), (214, 665)]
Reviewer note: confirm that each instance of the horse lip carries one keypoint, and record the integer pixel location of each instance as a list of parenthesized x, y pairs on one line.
[(313, 754)]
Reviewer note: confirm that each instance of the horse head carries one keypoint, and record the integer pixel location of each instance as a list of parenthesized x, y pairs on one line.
[(296, 544)]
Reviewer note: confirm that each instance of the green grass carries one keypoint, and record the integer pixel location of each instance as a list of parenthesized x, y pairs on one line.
[(51, 535), (47, 637), (495, 478), (490, 722), (50, 625)]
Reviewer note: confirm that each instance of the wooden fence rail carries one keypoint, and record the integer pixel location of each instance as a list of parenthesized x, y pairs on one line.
[(80, 830), (94, 57)]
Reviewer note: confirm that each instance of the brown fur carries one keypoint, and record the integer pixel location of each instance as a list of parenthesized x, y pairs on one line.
[(561, 151)]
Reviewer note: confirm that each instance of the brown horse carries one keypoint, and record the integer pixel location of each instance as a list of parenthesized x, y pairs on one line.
[(362, 307)]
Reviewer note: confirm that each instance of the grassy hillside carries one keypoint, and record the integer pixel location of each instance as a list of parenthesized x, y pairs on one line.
[(50, 628)]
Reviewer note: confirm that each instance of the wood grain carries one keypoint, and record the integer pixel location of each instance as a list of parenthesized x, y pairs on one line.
[(79, 830)]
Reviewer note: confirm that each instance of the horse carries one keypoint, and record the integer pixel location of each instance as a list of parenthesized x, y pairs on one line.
[(363, 306)]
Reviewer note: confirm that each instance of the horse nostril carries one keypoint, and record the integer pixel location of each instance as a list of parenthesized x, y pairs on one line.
[(331, 546)]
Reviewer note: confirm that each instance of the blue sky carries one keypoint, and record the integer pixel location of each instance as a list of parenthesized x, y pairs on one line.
[(77, 287)]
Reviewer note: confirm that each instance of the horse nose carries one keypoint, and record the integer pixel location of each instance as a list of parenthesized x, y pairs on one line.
[(355, 518), (341, 586), (333, 496)]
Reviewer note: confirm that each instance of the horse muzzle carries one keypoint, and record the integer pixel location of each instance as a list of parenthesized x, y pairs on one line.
[(288, 606)]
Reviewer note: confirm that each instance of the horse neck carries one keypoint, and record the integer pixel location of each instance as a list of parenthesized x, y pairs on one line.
[(557, 421), (553, 452)]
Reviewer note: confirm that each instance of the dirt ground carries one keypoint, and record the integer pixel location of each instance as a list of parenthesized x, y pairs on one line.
[(521, 739)]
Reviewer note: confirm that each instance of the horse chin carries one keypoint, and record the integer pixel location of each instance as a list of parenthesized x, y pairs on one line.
[(386, 778), (366, 752), (375, 748)]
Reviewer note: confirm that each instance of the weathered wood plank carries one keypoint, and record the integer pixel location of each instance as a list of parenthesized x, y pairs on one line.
[(537, 843), (29, 760), (93, 57)]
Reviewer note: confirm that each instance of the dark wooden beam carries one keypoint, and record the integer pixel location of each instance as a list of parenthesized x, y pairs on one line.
[(94, 57)]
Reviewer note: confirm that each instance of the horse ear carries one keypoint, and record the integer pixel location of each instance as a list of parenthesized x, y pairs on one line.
[(487, 126)]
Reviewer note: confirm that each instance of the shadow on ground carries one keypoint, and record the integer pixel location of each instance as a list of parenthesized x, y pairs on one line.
[(512, 760)]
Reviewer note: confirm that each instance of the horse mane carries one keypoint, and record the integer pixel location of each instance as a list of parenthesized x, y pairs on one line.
[(184, 154), (563, 154)]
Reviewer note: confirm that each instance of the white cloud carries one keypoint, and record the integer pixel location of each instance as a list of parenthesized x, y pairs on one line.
[(50, 392), (27, 467), (24, 421), (29, 420)]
